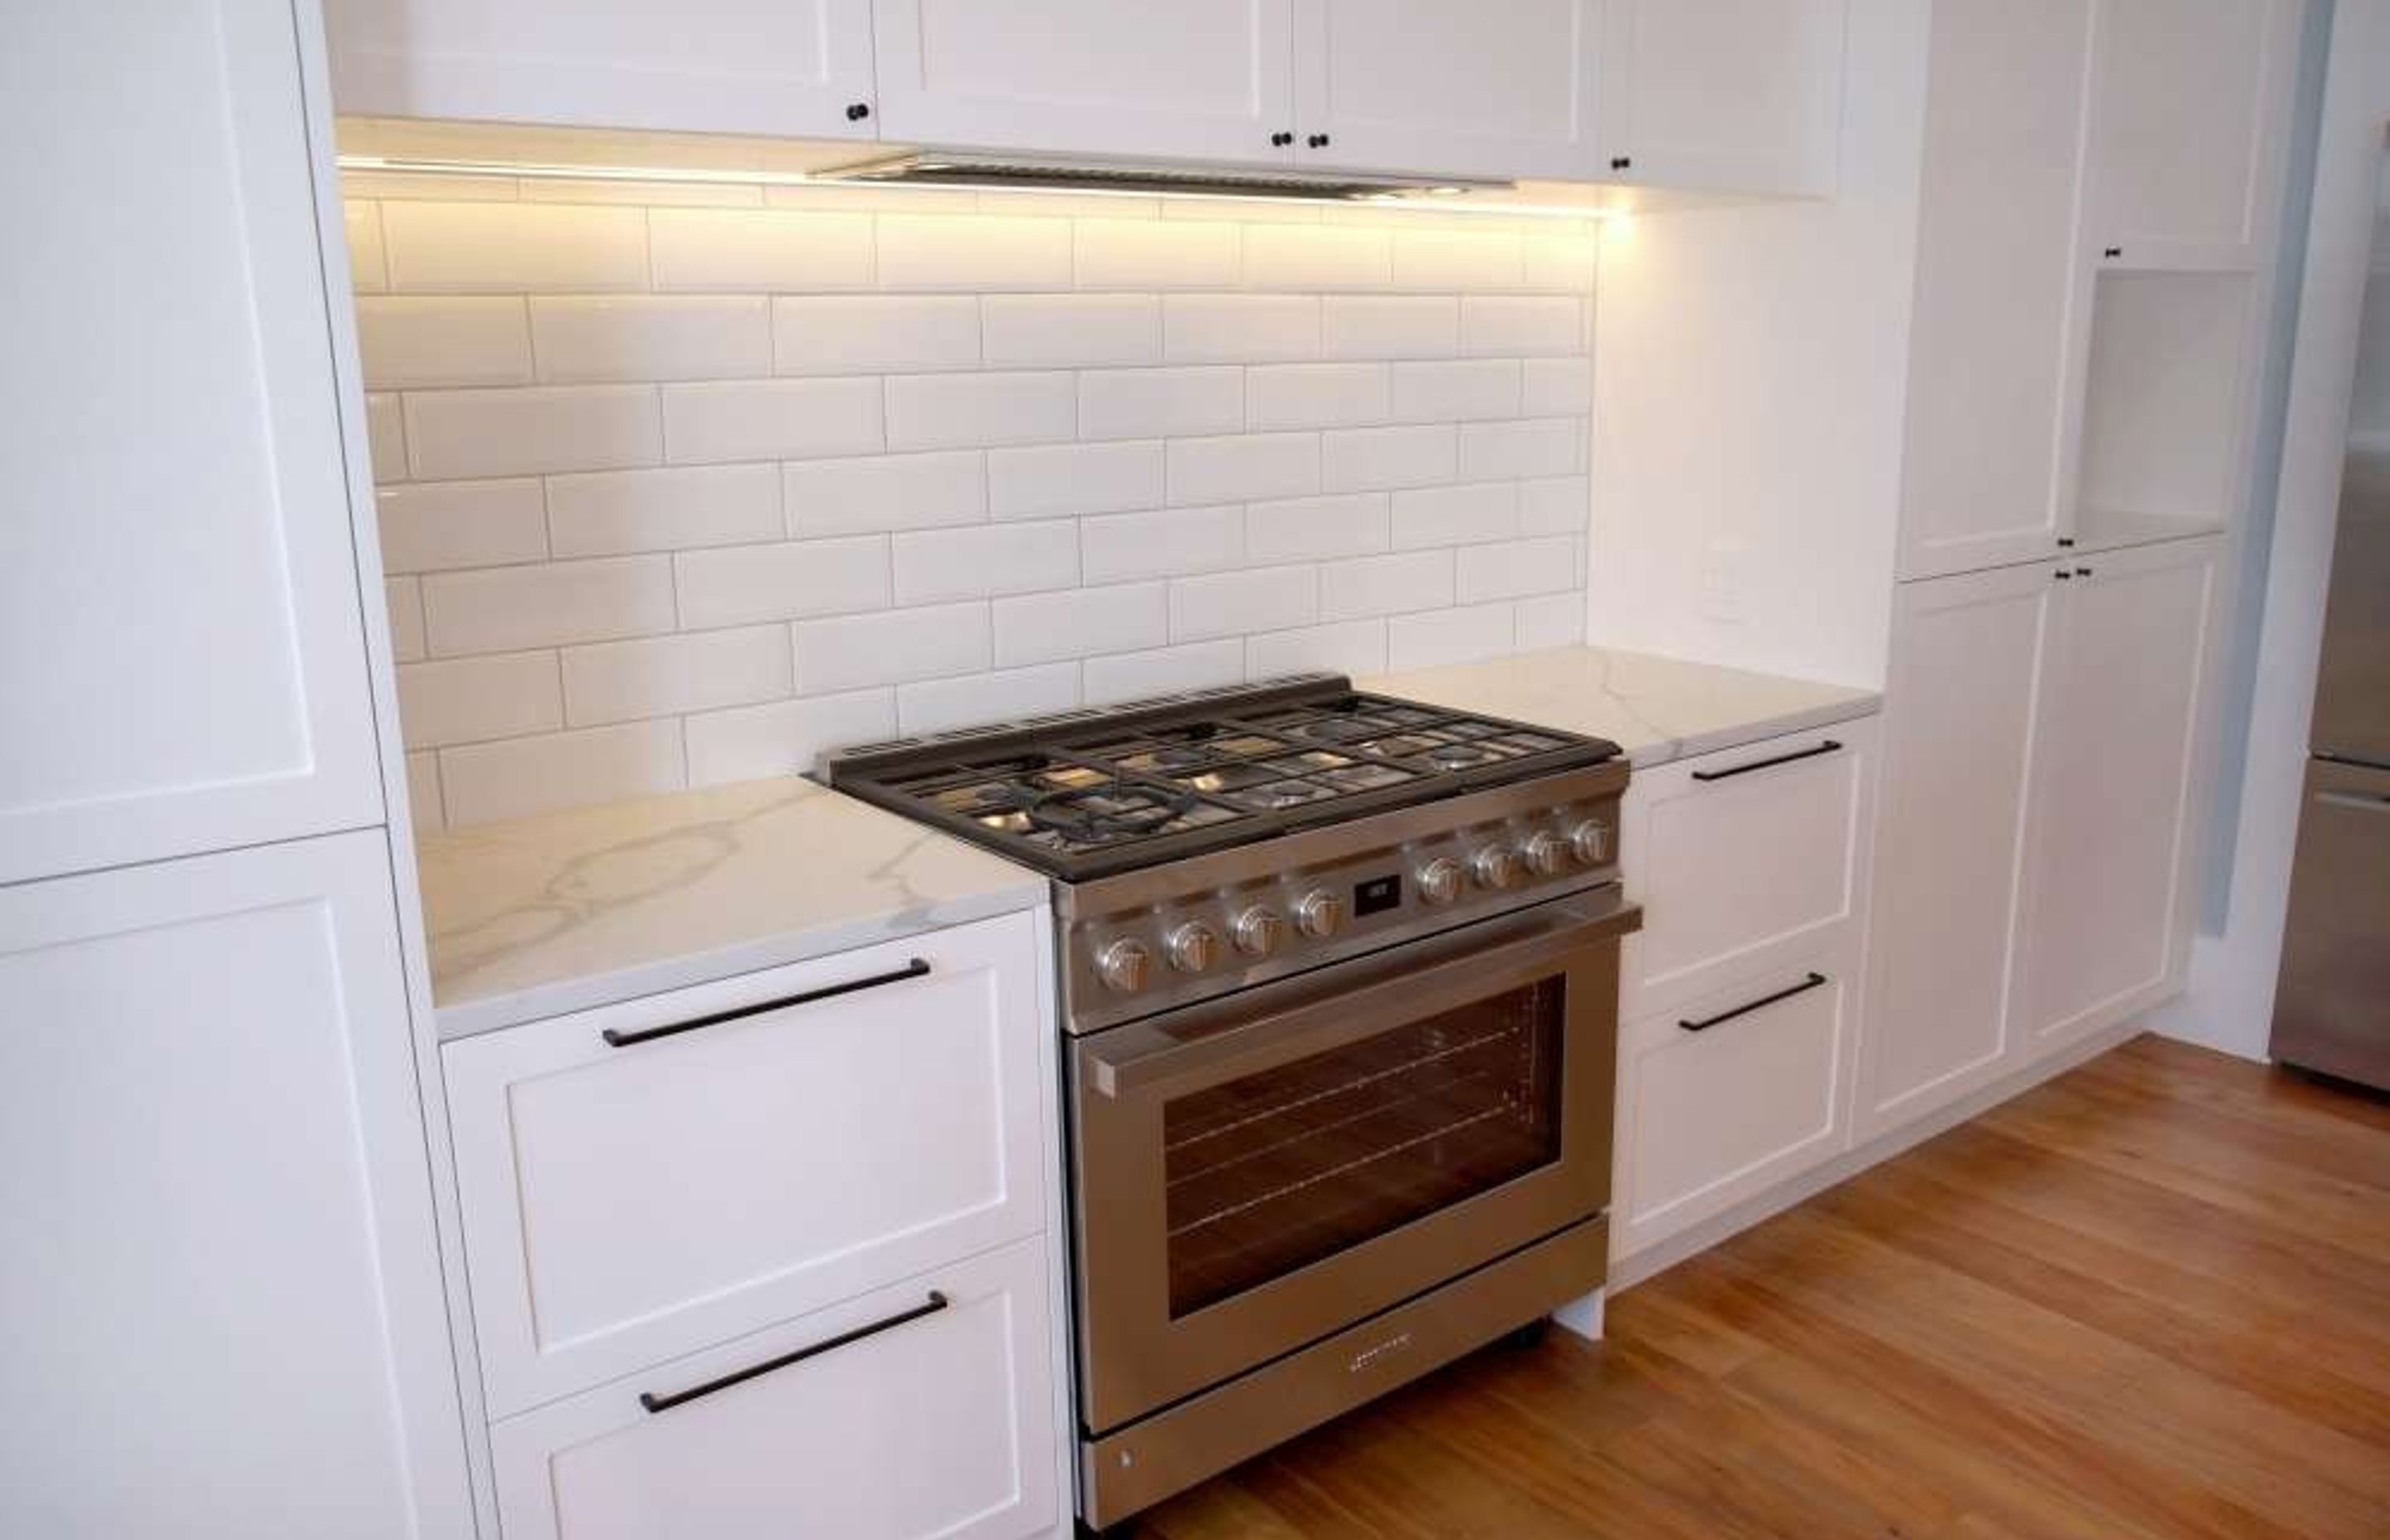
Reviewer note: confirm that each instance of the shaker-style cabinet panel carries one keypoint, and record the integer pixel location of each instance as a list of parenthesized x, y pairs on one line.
[(798, 68), (1202, 79), (181, 653), (1736, 95)]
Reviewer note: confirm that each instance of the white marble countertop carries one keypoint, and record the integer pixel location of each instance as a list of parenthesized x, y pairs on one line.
[(1656, 709), (537, 916)]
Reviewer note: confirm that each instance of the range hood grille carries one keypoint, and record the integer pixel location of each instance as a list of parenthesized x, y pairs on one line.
[(978, 169)]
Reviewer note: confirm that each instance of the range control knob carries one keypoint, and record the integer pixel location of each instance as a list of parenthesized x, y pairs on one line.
[(1547, 854), (1259, 929), (1192, 947), (1123, 966), (1320, 913), (1590, 839), (1495, 866), (1439, 881)]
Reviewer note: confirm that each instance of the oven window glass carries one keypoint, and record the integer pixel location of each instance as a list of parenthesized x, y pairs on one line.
[(1278, 1170)]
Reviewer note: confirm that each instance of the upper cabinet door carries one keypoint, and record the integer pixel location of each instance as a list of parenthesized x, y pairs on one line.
[(1994, 338), (182, 658), (2190, 112), (1741, 95), (1501, 88), (792, 67), (1203, 79)]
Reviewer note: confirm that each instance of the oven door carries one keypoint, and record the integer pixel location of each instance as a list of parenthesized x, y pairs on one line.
[(1257, 1173)]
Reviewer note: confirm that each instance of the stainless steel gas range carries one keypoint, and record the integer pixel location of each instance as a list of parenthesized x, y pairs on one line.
[(1338, 979)]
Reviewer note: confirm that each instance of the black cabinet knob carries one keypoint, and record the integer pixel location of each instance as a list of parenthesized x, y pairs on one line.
[(1319, 141), (2113, 251), (1281, 138), (857, 111), (1622, 163)]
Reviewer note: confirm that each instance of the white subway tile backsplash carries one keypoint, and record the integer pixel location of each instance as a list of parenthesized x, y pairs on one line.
[(1557, 504), (386, 437), (1006, 696), (616, 512), (1211, 328), (1317, 529), (770, 419), (1456, 515), (1166, 543), (1316, 395), (885, 491), (893, 646), (1234, 604), (431, 187), (1556, 387), (1148, 255), (668, 675), (1456, 389), (1443, 637), (1518, 325), (1307, 257), (423, 791), (579, 338), (743, 585), (1367, 459), (1543, 446), (513, 247), (361, 225), (1366, 326), (874, 333), (1555, 620), (989, 253), (976, 563), (516, 777), (1079, 622), (1342, 646), (431, 526), (1512, 569), (1242, 466), (1449, 259), (403, 597), (1162, 671), (784, 738), (549, 604), (1076, 478), (1152, 403), (1062, 331), (760, 251), (862, 197), (1565, 263), (645, 192), (467, 700), (947, 411), (404, 340), (522, 432), (1386, 585)]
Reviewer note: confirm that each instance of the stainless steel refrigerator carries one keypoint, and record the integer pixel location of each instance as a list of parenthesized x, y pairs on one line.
[(2332, 1011)]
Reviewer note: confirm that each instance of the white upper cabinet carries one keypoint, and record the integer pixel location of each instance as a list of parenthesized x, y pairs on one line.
[(793, 67), (2191, 106), (1993, 343), (1502, 89), (1740, 96), (182, 658), (1203, 79)]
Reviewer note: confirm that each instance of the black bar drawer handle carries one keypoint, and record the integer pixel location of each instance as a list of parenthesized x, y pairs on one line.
[(914, 969), (1829, 747), (1813, 982), (655, 1403)]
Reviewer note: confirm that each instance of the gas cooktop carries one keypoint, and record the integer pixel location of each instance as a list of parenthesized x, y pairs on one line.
[(1091, 793)]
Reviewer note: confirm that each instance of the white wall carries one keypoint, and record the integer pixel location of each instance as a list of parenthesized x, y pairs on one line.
[(2231, 999), (1750, 373)]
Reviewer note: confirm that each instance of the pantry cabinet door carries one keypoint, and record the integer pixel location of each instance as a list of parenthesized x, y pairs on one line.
[(1203, 79), (1741, 95), (182, 654), (2001, 291), (1501, 89), (1960, 715), (795, 66), (2109, 888)]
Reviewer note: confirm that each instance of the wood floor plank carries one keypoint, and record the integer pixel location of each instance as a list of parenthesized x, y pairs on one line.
[(2149, 1300)]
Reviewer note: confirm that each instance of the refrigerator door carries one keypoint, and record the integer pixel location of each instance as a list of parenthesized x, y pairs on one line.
[(2332, 1012), (2352, 707)]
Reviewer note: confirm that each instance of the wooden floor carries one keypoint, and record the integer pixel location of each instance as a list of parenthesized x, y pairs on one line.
[(2150, 1298)]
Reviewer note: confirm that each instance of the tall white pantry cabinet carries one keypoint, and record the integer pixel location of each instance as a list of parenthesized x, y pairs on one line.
[(223, 1305)]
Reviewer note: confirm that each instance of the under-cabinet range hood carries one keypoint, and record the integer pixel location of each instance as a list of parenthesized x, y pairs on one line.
[(1084, 174)]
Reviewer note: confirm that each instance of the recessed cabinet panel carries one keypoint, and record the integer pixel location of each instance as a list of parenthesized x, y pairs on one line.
[(1733, 94), (1206, 79), (793, 67), (1502, 89), (2164, 406), (182, 657)]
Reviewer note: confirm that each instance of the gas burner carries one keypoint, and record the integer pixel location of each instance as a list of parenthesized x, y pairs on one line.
[(1277, 795), (1104, 815), (1458, 756)]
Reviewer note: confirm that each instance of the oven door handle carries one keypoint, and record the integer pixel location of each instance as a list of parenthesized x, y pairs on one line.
[(1352, 1001)]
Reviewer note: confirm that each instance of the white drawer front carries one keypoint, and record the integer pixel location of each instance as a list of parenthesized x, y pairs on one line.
[(1741, 864), (624, 1205), (941, 1425), (1709, 1118)]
